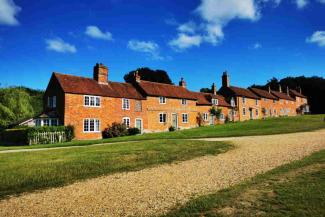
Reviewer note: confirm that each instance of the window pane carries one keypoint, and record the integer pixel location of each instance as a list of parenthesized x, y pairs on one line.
[(91, 125), (97, 101), (86, 100), (54, 101), (92, 101), (97, 126), (86, 125)]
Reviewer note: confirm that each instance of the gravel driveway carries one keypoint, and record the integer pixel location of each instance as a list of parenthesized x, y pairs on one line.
[(156, 190)]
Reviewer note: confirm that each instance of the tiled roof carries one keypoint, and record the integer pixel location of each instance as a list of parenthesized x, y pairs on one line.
[(243, 92), (205, 99), (81, 85), (296, 93), (166, 90), (262, 93), (281, 95)]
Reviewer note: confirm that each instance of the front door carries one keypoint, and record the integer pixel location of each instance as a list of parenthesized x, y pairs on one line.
[(138, 124), (251, 114), (174, 121), (211, 120)]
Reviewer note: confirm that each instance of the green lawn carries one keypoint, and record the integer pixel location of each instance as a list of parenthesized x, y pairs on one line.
[(28, 171), (296, 189), (255, 127)]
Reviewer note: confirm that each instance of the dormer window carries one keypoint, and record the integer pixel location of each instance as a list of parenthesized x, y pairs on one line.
[(162, 100), (184, 102), (215, 101)]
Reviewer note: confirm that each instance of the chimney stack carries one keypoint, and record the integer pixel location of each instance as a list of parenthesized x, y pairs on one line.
[(269, 89), (100, 73), (300, 90), (214, 89), (225, 79), (280, 88), (182, 83), (137, 77), (288, 93)]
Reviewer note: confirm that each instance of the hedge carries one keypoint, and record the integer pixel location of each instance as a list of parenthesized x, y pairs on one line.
[(44, 135)]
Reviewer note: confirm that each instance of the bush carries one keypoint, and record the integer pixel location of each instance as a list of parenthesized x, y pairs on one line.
[(14, 136), (23, 136), (171, 129), (116, 130), (133, 131)]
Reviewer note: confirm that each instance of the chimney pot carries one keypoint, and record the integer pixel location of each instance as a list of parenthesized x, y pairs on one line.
[(137, 76)]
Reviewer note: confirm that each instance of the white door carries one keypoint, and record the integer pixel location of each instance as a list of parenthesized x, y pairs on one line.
[(138, 124)]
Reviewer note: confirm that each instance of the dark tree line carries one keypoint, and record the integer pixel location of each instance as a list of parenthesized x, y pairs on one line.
[(312, 87), (148, 74)]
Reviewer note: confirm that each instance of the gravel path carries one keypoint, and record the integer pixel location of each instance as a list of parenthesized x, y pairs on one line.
[(156, 190)]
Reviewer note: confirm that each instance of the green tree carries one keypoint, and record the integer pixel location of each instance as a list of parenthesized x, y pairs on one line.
[(148, 74)]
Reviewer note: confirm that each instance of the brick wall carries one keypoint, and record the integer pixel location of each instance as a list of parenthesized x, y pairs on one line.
[(110, 111)]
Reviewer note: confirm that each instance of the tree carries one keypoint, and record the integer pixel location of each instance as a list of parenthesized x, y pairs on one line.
[(17, 103), (148, 74), (312, 87), (205, 90)]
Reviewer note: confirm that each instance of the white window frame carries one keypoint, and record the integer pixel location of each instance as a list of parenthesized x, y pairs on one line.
[(184, 101), (162, 100), (215, 101), (92, 100), (96, 125), (185, 120), (205, 116), (244, 111), (126, 104), (256, 102), (232, 102), (161, 117), (244, 100), (127, 122)]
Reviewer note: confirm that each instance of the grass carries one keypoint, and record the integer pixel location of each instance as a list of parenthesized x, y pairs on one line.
[(29, 171), (248, 128), (296, 189)]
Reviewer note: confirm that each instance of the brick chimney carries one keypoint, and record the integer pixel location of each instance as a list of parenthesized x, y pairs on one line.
[(101, 73), (280, 88), (225, 79), (137, 77), (214, 89), (182, 83)]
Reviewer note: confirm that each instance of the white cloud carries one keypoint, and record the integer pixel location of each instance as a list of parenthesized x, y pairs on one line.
[(58, 45), (318, 38), (301, 3), (8, 12), (95, 32), (215, 15), (322, 1), (148, 47), (189, 27), (184, 41)]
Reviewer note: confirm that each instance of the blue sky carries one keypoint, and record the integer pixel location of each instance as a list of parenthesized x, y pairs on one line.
[(254, 40)]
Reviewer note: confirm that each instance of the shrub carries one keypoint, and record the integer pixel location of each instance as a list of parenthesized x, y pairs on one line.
[(23, 136), (133, 131), (171, 129), (116, 130)]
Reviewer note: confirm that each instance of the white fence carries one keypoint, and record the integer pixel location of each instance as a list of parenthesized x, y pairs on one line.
[(48, 137)]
